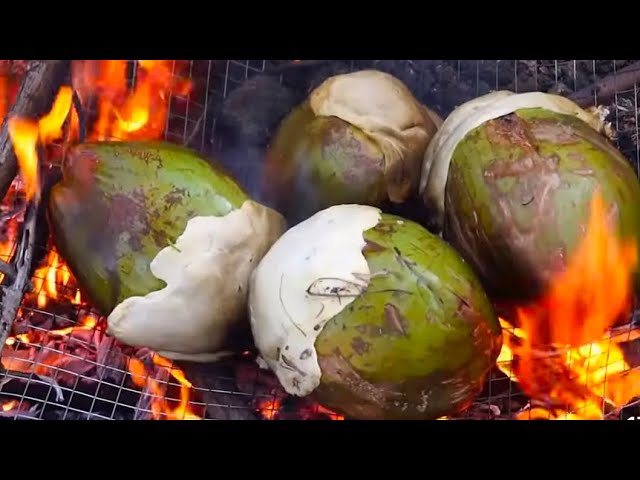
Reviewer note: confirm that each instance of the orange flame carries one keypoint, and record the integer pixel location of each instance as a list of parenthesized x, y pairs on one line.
[(4, 97), (141, 114), (564, 355), (160, 407), (269, 409), (53, 281), (26, 133), (124, 115)]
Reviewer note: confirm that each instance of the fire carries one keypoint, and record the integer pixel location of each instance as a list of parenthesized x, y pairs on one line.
[(325, 411), (125, 115), (160, 407), (565, 354), (122, 113), (4, 105), (269, 408), (272, 407), (25, 135), (49, 277)]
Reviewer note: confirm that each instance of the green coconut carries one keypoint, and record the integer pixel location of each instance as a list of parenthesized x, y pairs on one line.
[(510, 180), (373, 316), (162, 242), (357, 138)]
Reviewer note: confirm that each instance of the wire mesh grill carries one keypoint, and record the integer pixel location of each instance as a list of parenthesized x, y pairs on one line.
[(87, 375)]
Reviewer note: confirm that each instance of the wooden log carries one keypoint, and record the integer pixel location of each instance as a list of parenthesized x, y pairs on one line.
[(607, 87), (39, 87)]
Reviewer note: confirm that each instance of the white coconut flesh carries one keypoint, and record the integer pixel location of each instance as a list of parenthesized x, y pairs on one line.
[(385, 109), (207, 275), (472, 114), (313, 272)]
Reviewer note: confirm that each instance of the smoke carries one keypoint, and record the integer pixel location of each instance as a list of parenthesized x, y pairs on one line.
[(249, 117)]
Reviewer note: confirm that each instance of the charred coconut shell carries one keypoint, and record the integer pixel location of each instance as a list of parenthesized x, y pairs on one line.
[(358, 138), (374, 316), (510, 178), (161, 241)]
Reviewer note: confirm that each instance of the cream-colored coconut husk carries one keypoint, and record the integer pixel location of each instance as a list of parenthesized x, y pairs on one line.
[(385, 109), (471, 115), (314, 271), (207, 274)]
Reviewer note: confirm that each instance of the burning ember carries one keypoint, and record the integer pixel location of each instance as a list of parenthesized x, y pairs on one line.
[(566, 353), (140, 114), (274, 409), (65, 356)]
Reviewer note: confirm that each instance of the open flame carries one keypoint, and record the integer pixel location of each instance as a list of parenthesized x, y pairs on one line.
[(53, 281), (122, 113), (27, 134), (160, 407), (273, 408), (566, 355)]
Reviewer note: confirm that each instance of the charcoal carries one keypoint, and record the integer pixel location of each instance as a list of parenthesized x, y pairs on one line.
[(111, 362), (631, 351), (63, 321), (51, 176), (215, 382)]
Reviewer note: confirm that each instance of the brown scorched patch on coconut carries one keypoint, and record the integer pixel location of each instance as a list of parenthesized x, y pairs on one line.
[(340, 140), (360, 346), (175, 197), (128, 214), (509, 130), (553, 131), (339, 371), (395, 324)]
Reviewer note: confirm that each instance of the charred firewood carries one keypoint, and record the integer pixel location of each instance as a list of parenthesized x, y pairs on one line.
[(39, 87), (607, 87), (51, 176), (13, 294), (217, 385)]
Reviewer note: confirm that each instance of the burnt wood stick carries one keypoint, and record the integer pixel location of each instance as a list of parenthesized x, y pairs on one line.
[(37, 92), (607, 87), (13, 294), (216, 384)]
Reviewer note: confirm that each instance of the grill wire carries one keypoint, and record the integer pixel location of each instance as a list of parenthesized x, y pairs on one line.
[(105, 391)]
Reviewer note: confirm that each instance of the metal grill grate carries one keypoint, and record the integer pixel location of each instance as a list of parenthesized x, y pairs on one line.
[(106, 389)]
